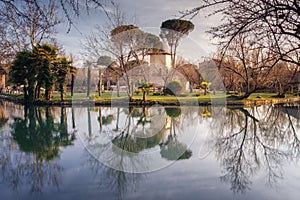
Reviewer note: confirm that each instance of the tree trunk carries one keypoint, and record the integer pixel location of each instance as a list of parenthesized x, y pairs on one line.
[(39, 92), (25, 93), (245, 96), (62, 91), (144, 95), (30, 93), (88, 81), (191, 87), (130, 98), (73, 119), (48, 92), (118, 88), (117, 120), (100, 84), (89, 122), (36, 92), (100, 118), (72, 84)]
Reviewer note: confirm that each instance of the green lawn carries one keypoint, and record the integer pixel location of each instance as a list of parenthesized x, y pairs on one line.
[(19, 96), (267, 96), (107, 97)]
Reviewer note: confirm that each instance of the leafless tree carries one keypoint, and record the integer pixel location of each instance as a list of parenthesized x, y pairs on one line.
[(190, 72), (248, 64), (19, 32), (69, 8), (124, 42), (276, 23), (284, 78)]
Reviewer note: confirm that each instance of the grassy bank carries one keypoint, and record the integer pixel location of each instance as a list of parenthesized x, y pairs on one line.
[(185, 99)]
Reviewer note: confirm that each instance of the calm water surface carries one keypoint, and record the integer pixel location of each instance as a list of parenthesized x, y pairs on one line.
[(175, 152)]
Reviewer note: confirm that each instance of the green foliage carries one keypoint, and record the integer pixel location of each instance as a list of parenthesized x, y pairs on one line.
[(179, 25), (41, 67), (205, 84), (47, 56), (63, 67), (125, 35), (173, 30), (106, 120), (145, 88), (23, 72), (174, 88), (21, 68), (137, 92), (152, 43), (105, 60), (135, 145), (145, 85), (174, 150), (173, 112), (122, 29)]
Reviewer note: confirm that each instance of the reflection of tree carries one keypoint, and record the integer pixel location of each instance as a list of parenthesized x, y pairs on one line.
[(172, 148), (104, 120), (39, 139), (124, 138), (139, 132), (250, 142), (118, 181), (130, 138), (3, 118)]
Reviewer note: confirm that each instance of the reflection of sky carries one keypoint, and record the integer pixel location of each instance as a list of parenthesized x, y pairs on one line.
[(147, 14), (193, 178)]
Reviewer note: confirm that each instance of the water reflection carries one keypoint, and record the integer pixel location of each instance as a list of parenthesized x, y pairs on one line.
[(250, 143), (256, 139), (119, 182), (3, 117), (29, 151), (129, 138)]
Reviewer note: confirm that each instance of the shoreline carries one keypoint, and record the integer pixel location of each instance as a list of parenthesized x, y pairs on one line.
[(69, 103)]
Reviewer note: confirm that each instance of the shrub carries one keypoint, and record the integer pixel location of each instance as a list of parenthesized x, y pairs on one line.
[(137, 92), (174, 88)]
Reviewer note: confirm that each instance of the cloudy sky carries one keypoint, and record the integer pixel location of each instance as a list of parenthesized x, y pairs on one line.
[(149, 15)]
